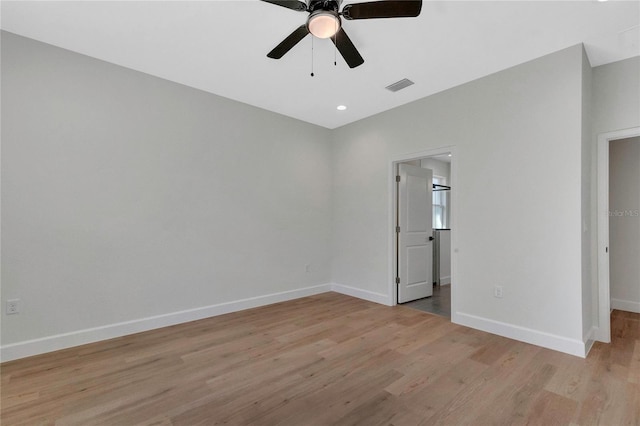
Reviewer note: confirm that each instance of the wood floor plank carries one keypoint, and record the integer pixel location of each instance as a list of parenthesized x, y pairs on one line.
[(481, 392), (572, 377), (328, 359), (429, 402), (634, 368), (551, 409)]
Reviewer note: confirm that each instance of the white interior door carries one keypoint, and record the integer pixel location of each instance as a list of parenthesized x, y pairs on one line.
[(415, 233)]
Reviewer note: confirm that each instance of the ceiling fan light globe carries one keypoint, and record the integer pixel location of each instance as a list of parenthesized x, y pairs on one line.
[(324, 24)]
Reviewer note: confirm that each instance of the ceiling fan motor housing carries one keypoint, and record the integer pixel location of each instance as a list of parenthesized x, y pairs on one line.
[(333, 5)]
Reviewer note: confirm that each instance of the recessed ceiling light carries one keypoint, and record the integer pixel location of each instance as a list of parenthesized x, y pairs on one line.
[(601, 1), (449, 155), (341, 107)]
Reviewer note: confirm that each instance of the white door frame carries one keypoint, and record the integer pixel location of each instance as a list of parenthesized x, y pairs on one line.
[(391, 252), (603, 333)]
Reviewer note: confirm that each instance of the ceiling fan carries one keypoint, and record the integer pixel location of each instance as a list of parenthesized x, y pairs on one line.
[(324, 22)]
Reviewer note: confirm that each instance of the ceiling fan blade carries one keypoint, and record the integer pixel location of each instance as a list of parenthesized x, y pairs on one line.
[(347, 49), (383, 9), (288, 43), (289, 4)]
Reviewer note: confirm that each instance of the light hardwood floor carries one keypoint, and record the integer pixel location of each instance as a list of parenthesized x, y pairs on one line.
[(326, 360)]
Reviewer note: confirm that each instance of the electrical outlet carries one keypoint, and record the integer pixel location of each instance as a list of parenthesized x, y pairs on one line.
[(497, 291), (13, 306)]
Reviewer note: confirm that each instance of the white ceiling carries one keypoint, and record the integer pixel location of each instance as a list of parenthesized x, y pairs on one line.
[(221, 46)]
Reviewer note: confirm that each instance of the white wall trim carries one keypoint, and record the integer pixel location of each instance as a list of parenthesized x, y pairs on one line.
[(445, 280), (80, 337), (371, 296), (602, 216), (523, 334), (625, 305), (589, 340)]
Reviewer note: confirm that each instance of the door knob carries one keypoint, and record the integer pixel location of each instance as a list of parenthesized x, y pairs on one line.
[(430, 238)]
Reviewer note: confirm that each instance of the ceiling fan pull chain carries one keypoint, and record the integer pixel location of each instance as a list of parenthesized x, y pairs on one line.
[(335, 45), (312, 56)]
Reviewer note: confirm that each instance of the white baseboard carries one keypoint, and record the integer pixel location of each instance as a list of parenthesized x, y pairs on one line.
[(75, 338), (445, 280), (589, 340), (601, 335), (523, 334), (625, 305), (371, 296), (67, 340)]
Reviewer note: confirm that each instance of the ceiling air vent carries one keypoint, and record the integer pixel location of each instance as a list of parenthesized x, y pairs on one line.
[(399, 85)]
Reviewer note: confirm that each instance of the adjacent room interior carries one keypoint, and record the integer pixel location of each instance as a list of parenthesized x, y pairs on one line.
[(624, 225), (192, 231)]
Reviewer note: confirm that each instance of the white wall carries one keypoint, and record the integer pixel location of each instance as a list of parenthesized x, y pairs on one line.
[(588, 235), (440, 168), (126, 196), (517, 224), (445, 257), (624, 223)]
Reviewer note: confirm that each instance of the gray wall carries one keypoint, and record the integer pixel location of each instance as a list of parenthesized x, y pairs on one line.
[(515, 221), (616, 96), (127, 196), (624, 223)]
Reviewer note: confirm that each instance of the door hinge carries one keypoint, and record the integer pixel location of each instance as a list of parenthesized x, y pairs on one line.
[(398, 178), (397, 229), (397, 280)]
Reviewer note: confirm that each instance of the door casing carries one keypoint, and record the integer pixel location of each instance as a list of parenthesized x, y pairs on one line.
[(603, 330), (392, 214)]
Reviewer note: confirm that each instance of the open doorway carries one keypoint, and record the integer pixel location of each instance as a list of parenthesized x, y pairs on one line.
[(618, 226), (423, 231)]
